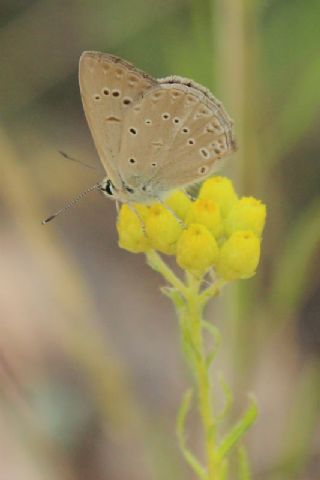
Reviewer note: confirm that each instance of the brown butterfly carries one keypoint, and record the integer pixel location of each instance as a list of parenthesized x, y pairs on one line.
[(152, 135)]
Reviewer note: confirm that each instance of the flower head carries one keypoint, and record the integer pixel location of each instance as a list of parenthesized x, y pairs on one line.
[(179, 203), (206, 212), (221, 191), (215, 231), (248, 213), (130, 229), (239, 256), (162, 228), (197, 249)]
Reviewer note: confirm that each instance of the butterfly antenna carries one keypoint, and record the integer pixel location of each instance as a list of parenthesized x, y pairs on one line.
[(71, 204), (68, 157)]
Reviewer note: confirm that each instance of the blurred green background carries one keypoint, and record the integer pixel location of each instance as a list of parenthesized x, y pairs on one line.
[(91, 374)]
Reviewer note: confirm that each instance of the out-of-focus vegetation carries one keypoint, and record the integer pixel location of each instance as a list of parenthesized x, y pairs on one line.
[(90, 374)]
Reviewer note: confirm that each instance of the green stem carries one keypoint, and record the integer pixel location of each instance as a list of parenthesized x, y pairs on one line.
[(193, 321), (190, 302)]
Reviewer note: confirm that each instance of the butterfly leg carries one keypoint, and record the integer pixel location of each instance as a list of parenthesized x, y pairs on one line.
[(181, 222), (135, 211)]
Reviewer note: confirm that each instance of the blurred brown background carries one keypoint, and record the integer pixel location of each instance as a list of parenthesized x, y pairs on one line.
[(91, 374)]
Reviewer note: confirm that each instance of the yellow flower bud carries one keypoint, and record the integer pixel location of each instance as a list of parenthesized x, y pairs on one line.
[(197, 249), (248, 213), (162, 229), (220, 190), (239, 256), (207, 213), (179, 202), (130, 229)]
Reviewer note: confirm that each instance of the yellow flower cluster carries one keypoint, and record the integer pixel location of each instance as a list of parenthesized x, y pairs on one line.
[(217, 230)]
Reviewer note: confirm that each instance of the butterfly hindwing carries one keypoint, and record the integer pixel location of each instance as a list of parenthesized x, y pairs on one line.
[(173, 136)]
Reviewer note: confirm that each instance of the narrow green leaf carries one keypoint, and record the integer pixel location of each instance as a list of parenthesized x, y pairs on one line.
[(243, 463), (182, 414), (181, 423), (224, 470), (175, 296), (217, 341), (228, 396), (213, 330), (189, 347), (238, 430)]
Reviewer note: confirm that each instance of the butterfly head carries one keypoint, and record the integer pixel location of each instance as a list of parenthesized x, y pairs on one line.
[(138, 193), (107, 188), (124, 194)]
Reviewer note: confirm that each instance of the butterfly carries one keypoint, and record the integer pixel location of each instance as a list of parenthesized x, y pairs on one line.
[(152, 135)]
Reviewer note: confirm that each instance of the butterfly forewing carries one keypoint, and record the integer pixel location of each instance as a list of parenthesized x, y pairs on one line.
[(109, 86), (174, 136)]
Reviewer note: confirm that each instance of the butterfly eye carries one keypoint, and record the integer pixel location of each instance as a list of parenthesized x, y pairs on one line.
[(107, 188)]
